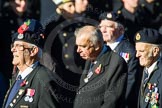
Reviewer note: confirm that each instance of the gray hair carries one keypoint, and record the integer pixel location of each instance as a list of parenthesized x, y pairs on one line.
[(92, 31)]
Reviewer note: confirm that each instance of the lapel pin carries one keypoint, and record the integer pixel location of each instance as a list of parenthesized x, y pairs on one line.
[(11, 104), (98, 69), (14, 101), (21, 91)]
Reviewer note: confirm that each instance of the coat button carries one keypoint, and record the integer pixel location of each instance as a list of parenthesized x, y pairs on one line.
[(78, 92), (64, 34), (66, 56), (66, 45)]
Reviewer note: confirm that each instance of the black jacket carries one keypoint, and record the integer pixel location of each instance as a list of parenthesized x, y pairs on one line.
[(107, 88), (40, 80)]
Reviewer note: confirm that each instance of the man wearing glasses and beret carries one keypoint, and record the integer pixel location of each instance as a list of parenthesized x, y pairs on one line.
[(33, 83), (111, 26)]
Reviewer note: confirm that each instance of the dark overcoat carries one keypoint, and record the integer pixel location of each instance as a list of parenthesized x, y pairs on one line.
[(106, 88), (127, 51), (41, 81), (151, 93)]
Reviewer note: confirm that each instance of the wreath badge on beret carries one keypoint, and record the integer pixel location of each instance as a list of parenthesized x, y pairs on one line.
[(138, 37), (22, 29), (109, 15)]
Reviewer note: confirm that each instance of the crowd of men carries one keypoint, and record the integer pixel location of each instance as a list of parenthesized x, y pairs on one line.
[(88, 54)]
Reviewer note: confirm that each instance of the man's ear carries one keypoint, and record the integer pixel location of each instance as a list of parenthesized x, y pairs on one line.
[(156, 51), (34, 51), (97, 47), (59, 11)]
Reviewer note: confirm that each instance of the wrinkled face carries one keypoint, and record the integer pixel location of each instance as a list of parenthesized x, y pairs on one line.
[(68, 8), (109, 31), (20, 5), (81, 5), (85, 48), (145, 54), (21, 53), (131, 3)]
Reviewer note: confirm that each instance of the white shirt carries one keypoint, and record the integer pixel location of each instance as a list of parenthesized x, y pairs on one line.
[(113, 45), (28, 70), (151, 68)]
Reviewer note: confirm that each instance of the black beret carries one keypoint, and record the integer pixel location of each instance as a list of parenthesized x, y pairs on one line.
[(113, 16), (148, 35), (30, 31)]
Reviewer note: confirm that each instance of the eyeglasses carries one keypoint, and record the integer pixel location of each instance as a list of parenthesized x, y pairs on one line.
[(18, 47)]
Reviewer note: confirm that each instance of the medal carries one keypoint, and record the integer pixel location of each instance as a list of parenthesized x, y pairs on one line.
[(30, 92), (147, 98), (154, 106), (152, 96), (31, 99), (29, 95), (26, 98), (88, 76)]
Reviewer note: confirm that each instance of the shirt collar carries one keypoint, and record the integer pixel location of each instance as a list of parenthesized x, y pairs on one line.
[(113, 45), (152, 67), (28, 70)]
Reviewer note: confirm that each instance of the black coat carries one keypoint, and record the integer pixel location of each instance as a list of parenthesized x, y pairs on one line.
[(154, 79), (40, 80), (127, 51), (106, 89)]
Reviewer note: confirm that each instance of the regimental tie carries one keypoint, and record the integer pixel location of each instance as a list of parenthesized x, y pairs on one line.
[(14, 90), (146, 77)]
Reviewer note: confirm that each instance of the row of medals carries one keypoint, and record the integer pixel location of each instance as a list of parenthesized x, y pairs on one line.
[(152, 96)]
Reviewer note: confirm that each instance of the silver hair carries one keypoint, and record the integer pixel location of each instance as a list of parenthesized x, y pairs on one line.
[(95, 35)]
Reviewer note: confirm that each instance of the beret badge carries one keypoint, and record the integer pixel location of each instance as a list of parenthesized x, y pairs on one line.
[(20, 36), (138, 37), (109, 15)]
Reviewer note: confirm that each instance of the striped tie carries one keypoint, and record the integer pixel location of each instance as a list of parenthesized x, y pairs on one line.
[(146, 76)]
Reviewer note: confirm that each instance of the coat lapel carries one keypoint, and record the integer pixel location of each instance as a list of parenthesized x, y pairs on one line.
[(145, 87), (102, 61), (23, 89), (84, 74)]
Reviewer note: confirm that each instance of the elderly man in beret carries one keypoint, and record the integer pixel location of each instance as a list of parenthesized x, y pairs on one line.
[(148, 50), (33, 83), (114, 36)]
